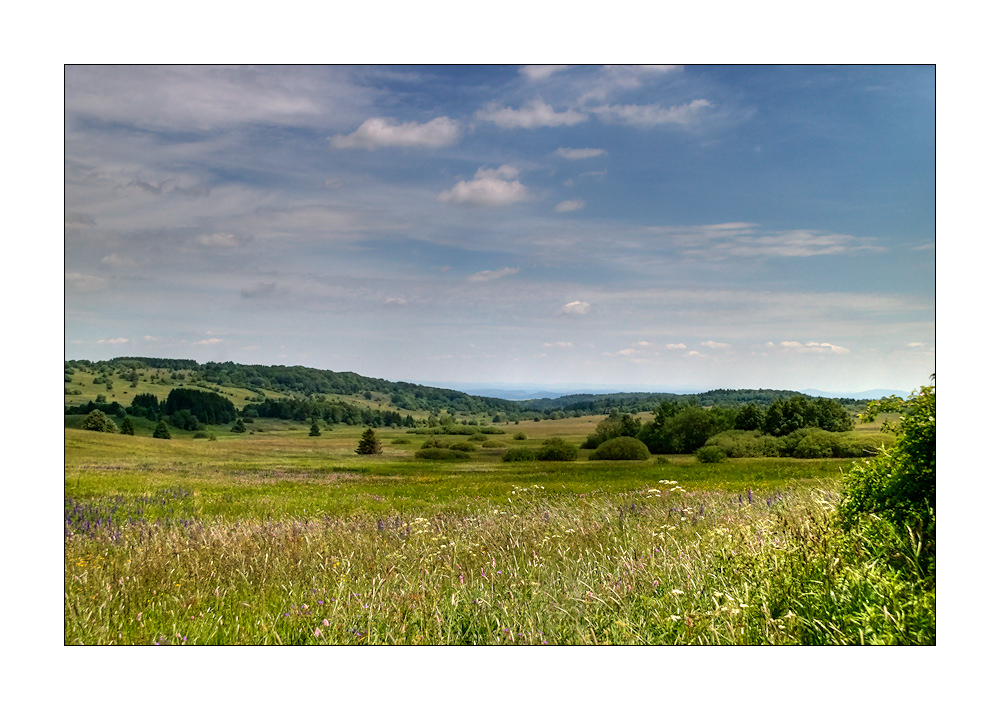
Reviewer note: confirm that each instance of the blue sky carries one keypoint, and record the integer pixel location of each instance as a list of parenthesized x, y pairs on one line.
[(652, 228)]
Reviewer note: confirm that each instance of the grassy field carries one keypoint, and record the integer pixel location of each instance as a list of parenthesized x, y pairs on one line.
[(282, 538)]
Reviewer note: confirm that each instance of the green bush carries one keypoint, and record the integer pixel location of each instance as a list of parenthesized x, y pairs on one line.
[(710, 454), (493, 444), (462, 446), (519, 453), (99, 421), (622, 448), (434, 443), (556, 449), (436, 454), (200, 435), (477, 437), (161, 431), (127, 427), (519, 436), (898, 486)]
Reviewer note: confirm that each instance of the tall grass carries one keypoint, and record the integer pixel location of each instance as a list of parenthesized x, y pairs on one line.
[(656, 565)]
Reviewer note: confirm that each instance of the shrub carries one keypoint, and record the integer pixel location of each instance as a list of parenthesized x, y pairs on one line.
[(477, 437), (493, 444), (239, 427), (369, 444), (127, 428), (463, 446), (710, 454), (519, 436), (161, 431), (556, 449), (314, 428), (622, 448), (519, 453), (899, 485), (99, 421), (434, 443), (436, 454), (399, 441), (200, 435)]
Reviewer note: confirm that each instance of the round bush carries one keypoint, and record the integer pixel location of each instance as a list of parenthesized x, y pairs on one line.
[(519, 436), (462, 446), (477, 437), (519, 453), (710, 454), (556, 449), (99, 421), (493, 444), (621, 448), (435, 454)]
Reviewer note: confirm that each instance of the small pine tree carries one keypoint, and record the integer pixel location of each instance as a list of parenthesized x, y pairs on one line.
[(314, 429), (369, 444), (161, 431), (126, 427), (239, 427)]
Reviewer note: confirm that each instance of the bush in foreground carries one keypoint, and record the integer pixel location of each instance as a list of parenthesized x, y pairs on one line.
[(622, 448), (898, 487)]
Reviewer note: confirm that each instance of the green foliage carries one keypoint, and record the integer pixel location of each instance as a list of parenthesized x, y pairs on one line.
[(208, 407), (750, 417), (682, 430), (437, 454), (556, 449), (622, 448), (492, 444), (161, 431), (899, 485), (745, 444), (369, 444), (477, 437), (463, 446), (239, 427), (785, 416), (99, 421), (710, 454), (519, 453), (519, 436), (314, 428), (127, 427)]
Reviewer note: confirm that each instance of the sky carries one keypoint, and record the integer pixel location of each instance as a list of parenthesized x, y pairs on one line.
[(652, 228)]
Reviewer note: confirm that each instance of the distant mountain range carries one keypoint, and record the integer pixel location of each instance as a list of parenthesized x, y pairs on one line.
[(867, 394)]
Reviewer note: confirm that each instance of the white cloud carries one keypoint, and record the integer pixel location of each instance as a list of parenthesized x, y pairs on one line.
[(116, 261), (579, 153), (716, 346), (209, 341), (220, 239), (384, 133), (535, 114), (489, 188), (570, 205), (575, 308), (675, 346), (744, 240), (491, 275), (392, 301), (114, 341), (151, 338), (536, 72), (560, 344), (813, 347), (654, 114), (85, 282), (914, 345)]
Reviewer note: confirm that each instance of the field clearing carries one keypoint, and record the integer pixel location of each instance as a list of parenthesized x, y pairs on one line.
[(281, 538)]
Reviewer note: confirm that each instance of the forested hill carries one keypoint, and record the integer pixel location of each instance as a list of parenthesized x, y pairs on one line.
[(297, 380), (633, 402), (300, 381)]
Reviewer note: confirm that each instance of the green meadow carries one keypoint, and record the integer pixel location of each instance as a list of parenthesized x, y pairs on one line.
[(278, 537)]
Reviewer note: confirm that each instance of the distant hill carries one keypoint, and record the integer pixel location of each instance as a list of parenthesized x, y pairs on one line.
[(867, 394), (251, 385)]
